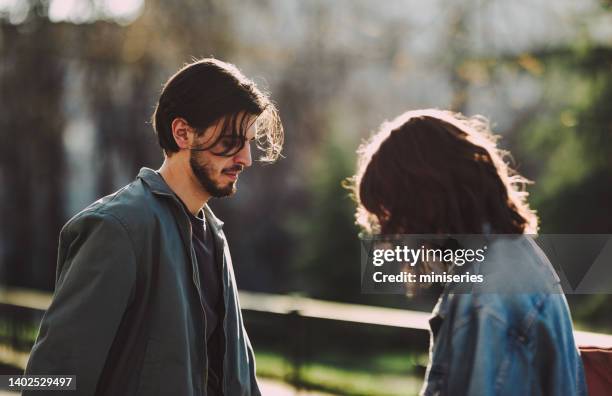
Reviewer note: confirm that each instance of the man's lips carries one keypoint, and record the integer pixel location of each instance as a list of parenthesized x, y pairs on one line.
[(232, 173)]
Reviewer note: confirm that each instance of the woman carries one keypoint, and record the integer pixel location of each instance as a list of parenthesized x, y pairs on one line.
[(436, 172)]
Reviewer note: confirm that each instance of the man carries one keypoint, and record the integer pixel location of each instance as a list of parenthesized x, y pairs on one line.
[(145, 300)]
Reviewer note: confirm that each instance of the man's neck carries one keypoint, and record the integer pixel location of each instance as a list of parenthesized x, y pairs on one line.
[(184, 184)]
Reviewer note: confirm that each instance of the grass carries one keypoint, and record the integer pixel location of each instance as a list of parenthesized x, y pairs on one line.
[(384, 374)]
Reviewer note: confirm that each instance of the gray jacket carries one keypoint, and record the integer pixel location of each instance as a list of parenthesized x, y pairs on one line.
[(127, 316)]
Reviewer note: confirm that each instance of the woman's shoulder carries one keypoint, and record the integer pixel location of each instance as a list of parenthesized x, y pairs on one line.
[(516, 265)]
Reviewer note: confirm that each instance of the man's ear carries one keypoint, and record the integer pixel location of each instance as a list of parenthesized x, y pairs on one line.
[(182, 133)]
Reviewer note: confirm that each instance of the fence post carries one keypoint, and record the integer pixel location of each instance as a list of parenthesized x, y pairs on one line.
[(296, 344)]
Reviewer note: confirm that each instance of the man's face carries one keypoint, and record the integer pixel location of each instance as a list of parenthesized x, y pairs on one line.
[(217, 174)]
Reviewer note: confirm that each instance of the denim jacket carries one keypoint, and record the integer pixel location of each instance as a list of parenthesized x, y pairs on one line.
[(127, 316), (510, 335)]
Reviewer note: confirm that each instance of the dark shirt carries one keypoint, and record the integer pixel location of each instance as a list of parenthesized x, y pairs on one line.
[(210, 284)]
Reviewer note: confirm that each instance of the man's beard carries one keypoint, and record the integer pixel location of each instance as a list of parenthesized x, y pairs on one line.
[(203, 174)]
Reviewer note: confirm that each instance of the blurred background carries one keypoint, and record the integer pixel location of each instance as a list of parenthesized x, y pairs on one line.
[(79, 80)]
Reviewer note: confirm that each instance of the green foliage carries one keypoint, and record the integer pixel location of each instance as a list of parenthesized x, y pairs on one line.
[(571, 141), (327, 263), (553, 139)]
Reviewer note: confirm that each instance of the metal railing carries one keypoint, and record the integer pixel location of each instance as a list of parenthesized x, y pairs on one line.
[(21, 311)]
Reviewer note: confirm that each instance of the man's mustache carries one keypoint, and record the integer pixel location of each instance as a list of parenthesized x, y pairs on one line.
[(234, 169)]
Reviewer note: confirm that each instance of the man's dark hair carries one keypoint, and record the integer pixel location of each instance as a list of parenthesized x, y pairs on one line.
[(209, 90)]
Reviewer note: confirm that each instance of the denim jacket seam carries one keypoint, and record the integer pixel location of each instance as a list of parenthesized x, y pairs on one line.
[(502, 373), (531, 316), (466, 318)]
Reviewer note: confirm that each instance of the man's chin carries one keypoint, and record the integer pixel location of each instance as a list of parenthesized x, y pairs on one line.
[(225, 191), (215, 190)]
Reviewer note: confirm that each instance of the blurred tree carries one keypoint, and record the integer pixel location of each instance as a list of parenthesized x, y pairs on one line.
[(569, 144), (571, 141), (269, 196), (31, 149), (327, 261), (123, 69)]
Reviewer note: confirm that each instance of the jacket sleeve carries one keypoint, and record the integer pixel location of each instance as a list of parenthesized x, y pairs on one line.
[(557, 350), (96, 274)]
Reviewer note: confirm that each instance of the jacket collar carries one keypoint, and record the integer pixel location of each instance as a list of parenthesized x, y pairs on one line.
[(158, 186)]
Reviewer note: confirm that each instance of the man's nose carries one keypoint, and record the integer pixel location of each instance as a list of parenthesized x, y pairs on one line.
[(243, 156)]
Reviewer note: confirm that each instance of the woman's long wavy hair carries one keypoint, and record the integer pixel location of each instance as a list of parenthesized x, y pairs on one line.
[(438, 172)]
